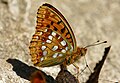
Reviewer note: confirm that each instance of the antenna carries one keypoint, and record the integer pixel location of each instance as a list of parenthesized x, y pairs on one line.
[(96, 43)]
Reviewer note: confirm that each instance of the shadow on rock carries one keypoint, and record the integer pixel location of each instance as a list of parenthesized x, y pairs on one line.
[(64, 76), (94, 77), (25, 71)]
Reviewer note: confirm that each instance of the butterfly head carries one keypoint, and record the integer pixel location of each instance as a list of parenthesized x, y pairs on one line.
[(81, 51)]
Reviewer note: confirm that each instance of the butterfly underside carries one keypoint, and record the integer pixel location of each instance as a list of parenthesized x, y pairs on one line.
[(53, 42)]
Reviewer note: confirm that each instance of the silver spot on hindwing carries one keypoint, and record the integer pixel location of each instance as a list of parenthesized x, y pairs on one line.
[(63, 51), (60, 55), (63, 43), (48, 41), (44, 53), (41, 59), (53, 34), (55, 55), (55, 48), (43, 47), (50, 37)]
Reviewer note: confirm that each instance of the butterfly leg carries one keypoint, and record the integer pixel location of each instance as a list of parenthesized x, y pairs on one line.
[(77, 69), (63, 67), (87, 66)]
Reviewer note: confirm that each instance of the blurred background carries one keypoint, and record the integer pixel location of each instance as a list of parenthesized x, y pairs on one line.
[(91, 20)]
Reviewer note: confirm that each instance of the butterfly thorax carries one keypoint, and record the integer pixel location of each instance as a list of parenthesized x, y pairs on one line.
[(75, 56)]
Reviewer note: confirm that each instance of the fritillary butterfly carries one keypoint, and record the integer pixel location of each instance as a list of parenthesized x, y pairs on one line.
[(53, 42)]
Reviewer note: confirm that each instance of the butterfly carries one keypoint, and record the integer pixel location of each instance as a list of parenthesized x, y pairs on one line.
[(53, 42)]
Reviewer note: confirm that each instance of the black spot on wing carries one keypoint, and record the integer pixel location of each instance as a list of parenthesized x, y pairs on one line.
[(63, 30), (55, 28), (59, 22), (48, 26)]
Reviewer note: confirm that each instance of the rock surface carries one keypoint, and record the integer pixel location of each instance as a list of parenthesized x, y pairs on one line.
[(91, 20)]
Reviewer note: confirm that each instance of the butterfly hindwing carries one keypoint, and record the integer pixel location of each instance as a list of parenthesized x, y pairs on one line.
[(53, 38)]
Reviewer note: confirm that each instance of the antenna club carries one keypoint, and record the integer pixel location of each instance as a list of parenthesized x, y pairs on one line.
[(105, 42), (96, 43)]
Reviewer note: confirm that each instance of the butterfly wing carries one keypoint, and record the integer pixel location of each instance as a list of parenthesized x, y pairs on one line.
[(53, 38)]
